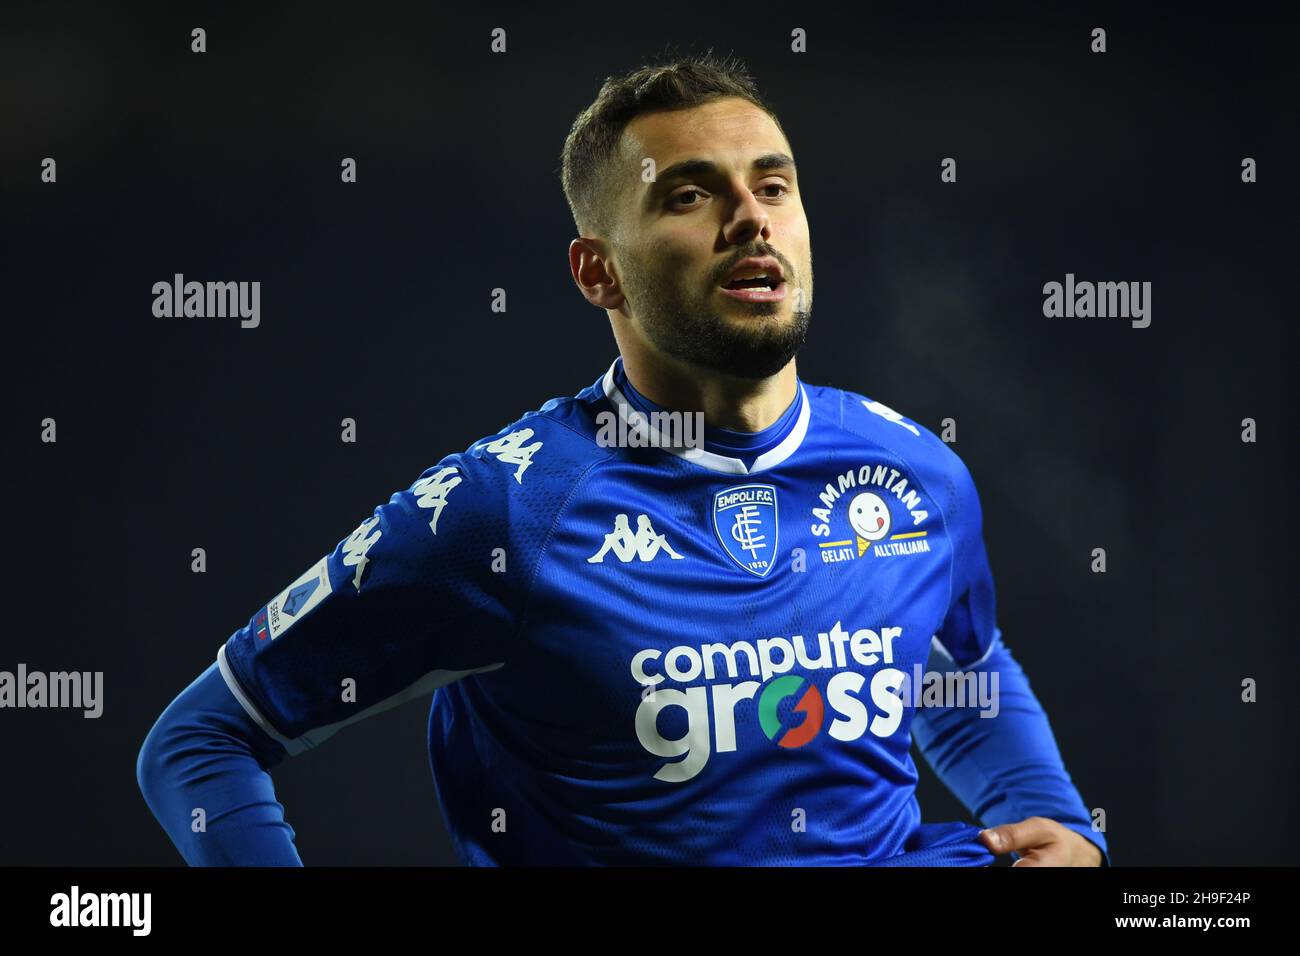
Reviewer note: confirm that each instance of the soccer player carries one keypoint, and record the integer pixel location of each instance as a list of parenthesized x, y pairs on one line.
[(647, 641)]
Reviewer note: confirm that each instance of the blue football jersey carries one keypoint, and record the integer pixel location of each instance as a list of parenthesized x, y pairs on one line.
[(641, 652)]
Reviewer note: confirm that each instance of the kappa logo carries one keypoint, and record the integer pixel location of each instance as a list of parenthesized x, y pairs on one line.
[(887, 413), (357, 545), (868, 516), (511, 450), (432, 492), (644, 545), (745, 521)]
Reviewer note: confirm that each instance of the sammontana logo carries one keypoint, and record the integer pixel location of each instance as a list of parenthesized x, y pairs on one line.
[(866, 525)]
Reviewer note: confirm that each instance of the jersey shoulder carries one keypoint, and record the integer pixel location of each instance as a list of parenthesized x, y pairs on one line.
[(933, 461), (508, 488), (541, 455)]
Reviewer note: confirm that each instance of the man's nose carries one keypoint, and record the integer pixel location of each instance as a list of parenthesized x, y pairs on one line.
[(749, 220)]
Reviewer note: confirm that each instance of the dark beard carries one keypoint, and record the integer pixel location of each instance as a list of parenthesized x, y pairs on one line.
[(702, 338)]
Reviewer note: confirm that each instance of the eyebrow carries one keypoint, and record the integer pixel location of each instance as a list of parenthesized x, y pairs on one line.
[(689, 168)]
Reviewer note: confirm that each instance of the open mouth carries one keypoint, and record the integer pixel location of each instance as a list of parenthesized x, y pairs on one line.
[(758, 282), (763, 288)]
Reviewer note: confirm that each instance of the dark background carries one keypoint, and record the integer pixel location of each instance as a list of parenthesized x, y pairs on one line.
[(1081, 433)]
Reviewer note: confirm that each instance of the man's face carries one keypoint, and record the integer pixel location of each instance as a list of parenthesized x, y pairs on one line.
[(681, 236)]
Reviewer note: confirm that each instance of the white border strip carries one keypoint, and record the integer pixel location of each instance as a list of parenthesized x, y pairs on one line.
[(427, 684), (229, 677)]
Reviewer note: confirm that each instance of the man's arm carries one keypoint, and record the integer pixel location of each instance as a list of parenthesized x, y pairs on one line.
[(205, 753), (1008, 768), (407, 603)]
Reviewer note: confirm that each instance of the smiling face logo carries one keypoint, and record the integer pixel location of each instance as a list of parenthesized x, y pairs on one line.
[(869, 516)]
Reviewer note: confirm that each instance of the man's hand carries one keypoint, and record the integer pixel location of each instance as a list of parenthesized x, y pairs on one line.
[(1041, 842)]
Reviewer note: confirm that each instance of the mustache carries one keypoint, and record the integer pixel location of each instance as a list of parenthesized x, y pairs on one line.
[(787, 270)]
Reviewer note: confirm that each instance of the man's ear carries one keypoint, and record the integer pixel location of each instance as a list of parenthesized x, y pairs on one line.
[(589, 265)]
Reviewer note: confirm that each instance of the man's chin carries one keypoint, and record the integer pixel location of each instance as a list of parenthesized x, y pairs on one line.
[(751, 340), (765, 318), (752, 356)]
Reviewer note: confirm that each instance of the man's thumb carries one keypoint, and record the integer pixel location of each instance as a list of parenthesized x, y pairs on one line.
[(997, 839)]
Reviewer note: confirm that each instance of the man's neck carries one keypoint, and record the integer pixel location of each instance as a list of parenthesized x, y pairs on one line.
[(738, 404)]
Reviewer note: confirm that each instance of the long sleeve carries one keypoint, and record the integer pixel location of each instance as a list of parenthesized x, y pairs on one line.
[(205, 752), (1007, 767), (405, 604)]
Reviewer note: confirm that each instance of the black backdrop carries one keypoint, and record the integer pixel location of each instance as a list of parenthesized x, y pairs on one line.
[(183, 433)]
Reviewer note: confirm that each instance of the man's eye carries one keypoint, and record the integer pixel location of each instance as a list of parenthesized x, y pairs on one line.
[(677, 199)]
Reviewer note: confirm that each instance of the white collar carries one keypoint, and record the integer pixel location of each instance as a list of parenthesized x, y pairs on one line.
[(712, 460)]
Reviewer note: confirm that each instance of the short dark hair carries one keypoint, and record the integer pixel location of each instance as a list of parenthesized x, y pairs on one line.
[(589, 149)]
